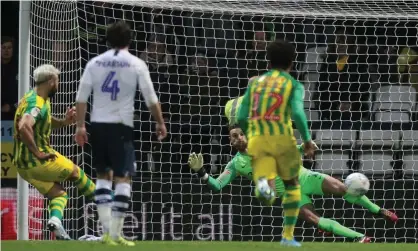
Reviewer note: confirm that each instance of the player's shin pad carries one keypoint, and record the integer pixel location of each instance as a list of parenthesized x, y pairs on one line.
[(85, 185), (119, 208), (57, 205), (291, 204), (103, 200)]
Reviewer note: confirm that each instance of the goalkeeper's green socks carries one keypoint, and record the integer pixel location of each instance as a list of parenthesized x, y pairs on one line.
[(290, 203), (85, 185), (337, 229), (57, 205), (364, 202)]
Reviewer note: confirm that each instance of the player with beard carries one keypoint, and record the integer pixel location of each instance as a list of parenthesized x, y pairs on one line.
[(312, 183), (36, 161)]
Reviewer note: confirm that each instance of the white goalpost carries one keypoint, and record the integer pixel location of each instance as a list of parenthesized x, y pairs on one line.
[(24, 74), (49, 35), (200, 55)]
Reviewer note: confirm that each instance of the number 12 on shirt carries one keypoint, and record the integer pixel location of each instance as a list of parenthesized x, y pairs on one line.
[(277, 101), (111, 85)]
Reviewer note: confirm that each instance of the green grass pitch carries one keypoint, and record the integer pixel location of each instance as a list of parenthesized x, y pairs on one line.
[(198, 246)]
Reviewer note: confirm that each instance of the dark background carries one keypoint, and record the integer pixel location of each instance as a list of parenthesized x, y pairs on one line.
[(10, 27), (10, 19), (237, 216), (170, 189)]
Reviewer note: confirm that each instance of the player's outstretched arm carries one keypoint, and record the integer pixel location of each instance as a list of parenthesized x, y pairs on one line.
[(228, 175), (333, 186), (365, 202)]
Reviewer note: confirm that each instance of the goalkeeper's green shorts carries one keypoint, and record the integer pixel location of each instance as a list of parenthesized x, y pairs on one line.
[(310, 184)]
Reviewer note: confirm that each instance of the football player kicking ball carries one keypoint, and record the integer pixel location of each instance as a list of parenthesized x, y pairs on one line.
[(265, 115), (36, 161), (312, 183)]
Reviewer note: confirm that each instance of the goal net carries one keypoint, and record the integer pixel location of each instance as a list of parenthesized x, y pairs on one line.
[(54, 38), (356, 59)]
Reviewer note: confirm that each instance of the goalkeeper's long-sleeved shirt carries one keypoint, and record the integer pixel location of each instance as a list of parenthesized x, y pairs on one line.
[(269, 104), (240, 165)]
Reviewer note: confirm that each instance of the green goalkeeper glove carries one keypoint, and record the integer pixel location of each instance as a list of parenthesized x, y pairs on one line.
[(196, 164)]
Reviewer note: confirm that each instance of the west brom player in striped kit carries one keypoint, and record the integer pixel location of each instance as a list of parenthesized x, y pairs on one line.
[(311, 182), (113, 77), (271, 100), (36, 161)]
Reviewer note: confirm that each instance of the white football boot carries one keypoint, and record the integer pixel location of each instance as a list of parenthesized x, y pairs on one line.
[(55, 226)]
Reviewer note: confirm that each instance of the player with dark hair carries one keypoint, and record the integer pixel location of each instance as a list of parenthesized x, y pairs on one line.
[(118, 35), (312, 183), (281, 55), (114, 77), (265, 115)]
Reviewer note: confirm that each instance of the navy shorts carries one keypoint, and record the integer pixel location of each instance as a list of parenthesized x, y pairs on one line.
[(113, 149)]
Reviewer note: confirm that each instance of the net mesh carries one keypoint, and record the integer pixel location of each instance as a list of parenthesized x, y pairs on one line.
[(334, 9), (54, 40), (200, 55)]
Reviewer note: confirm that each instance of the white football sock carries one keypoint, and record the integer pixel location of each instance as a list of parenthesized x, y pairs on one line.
[(103, 199), (120, 206), (116, 226)]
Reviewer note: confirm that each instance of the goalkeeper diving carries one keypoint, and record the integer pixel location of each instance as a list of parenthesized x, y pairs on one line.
[(312, 183)]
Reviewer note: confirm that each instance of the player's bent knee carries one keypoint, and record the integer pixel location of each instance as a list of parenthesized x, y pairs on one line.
[(74, 174), (56, 191)]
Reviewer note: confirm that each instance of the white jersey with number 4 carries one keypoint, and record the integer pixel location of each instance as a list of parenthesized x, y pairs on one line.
[(113, 77)]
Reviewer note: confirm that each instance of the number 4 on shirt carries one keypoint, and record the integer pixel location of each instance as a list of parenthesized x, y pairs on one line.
[(110, 85)]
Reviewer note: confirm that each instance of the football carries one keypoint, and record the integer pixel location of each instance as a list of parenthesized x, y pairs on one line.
[(357, 184)]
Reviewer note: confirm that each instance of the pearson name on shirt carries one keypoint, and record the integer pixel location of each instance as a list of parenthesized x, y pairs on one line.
[(112, 64)]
